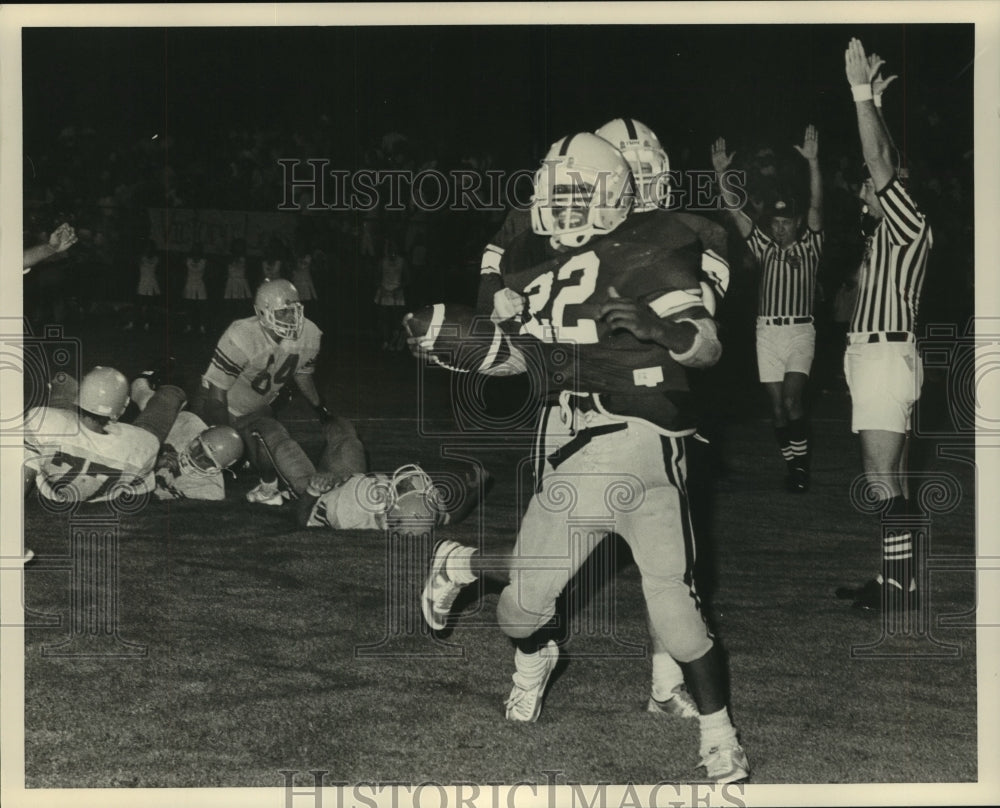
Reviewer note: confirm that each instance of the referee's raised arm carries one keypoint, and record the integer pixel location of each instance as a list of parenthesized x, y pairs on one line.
[(720, 162), (876, 145), (810, 151)]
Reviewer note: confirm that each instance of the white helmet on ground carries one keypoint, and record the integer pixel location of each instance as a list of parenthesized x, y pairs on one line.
[(208, 453), (412, 500)]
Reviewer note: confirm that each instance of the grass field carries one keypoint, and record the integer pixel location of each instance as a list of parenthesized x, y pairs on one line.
[(268, 648)]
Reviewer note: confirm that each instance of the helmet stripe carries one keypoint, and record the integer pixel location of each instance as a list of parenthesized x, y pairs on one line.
[(630, 129), (565, 145)]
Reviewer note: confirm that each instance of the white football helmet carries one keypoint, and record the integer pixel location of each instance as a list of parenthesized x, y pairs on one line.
[(646, 157), (215, 449), (104, 391), (278, 308), (412, 499), (582, 190)]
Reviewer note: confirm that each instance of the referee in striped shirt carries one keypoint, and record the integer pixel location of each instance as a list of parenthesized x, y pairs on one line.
[(786, 336), (882, 367)]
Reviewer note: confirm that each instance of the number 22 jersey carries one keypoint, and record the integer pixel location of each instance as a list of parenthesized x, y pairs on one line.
[(253, 368), (652, 258)]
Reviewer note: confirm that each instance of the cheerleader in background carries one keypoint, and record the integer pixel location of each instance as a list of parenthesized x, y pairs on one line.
[(237, 291), (273, 263), (195, 293), (302, 280), (390, 298), (148, 292)]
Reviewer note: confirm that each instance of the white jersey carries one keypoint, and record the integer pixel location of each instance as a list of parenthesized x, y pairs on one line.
[(185, 485), (253, 368), (356, 504), (76, 463)]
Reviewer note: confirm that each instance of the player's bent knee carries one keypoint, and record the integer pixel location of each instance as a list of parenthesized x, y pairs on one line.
[(161, 411), (338, 428), (344, 454), (271, 431), (517, 621), (690, 646), (676, 620)]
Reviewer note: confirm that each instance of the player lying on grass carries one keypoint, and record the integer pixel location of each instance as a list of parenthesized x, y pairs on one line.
[(77, 449), (344, 495), (194, 470), (406, 500)]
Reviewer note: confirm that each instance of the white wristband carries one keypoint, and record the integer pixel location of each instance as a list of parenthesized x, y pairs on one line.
[(861, 92), (877, 98)]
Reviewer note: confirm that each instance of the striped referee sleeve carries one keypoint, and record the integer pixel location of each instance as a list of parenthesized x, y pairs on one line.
[(902, 217), (758, 242)]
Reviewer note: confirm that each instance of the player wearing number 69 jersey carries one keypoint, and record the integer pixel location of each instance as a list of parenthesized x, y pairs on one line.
[(254, 359), (78, 452)]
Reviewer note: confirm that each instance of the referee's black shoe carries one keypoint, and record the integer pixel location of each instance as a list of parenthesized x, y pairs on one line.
[(876, 596), (797, 481)]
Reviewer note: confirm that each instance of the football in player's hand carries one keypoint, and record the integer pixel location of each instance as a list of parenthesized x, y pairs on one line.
[(455, 337), (438, 331)]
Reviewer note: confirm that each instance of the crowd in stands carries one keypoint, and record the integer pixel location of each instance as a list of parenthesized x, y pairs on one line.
[(104, 187)]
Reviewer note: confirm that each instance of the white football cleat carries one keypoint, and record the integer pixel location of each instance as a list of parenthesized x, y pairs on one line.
[(525, 700), (439, 590), (726, 764), (680, 704), (266, 494)]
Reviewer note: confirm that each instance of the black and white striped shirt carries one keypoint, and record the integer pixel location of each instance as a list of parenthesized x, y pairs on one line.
[(788, 280), (895, 264)]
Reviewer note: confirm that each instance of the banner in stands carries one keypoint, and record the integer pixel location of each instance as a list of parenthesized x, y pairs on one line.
[(179, 229)]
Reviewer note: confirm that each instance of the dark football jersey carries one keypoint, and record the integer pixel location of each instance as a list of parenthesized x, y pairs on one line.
[(654, 259)]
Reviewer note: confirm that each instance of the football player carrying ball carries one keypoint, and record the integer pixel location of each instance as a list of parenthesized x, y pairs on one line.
[(622, 294)]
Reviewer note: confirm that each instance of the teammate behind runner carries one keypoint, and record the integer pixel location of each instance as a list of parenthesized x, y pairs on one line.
[(786, 337), (650, 168)]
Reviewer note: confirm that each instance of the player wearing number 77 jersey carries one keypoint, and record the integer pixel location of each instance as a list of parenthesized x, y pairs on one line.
[(254, 359), (77, 450)]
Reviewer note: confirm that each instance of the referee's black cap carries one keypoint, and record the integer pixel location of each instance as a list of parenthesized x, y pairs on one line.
[(784, 207)]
